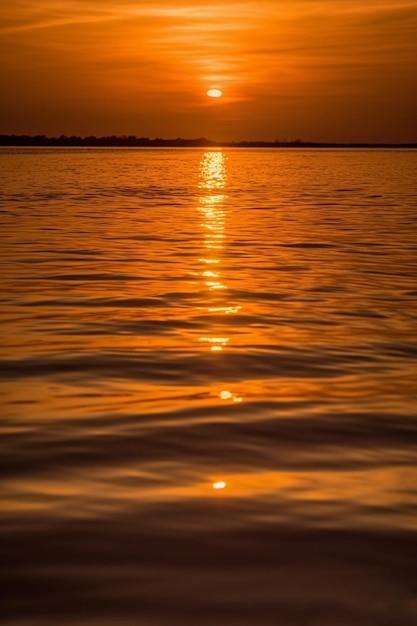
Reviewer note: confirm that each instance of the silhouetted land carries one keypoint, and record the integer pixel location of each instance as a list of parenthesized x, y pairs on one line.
[(131, 141)]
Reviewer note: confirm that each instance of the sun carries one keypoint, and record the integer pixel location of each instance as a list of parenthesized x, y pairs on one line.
[(214, 93)]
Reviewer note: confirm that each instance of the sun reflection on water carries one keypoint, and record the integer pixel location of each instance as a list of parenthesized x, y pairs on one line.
[(213, 177), (212, 206)]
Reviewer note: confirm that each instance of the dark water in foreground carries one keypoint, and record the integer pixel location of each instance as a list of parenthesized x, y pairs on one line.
[(172, 318)]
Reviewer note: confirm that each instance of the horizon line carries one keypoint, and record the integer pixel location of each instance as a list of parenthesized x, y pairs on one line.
[(134, 141)]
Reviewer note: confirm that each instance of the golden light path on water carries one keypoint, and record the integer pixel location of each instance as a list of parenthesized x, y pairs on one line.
[(211, 204), (213, 177)]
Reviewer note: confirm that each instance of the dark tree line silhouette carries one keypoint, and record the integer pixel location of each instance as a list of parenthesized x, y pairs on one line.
[(110, 140), (131, 141)]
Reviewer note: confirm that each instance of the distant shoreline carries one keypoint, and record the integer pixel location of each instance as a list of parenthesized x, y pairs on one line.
[(131, 141)]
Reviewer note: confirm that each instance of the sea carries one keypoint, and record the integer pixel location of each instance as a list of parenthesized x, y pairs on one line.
[(208, 386)]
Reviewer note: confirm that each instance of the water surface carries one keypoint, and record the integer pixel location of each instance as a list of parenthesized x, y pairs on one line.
[(175, 317)]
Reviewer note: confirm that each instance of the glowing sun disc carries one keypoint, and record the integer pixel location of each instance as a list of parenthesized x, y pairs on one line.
[(219, 485), (214, 93)]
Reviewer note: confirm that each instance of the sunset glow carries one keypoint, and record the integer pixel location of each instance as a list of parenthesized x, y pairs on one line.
[(312, 69)]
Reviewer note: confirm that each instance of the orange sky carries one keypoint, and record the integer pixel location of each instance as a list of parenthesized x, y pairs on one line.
[(324, 70)]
